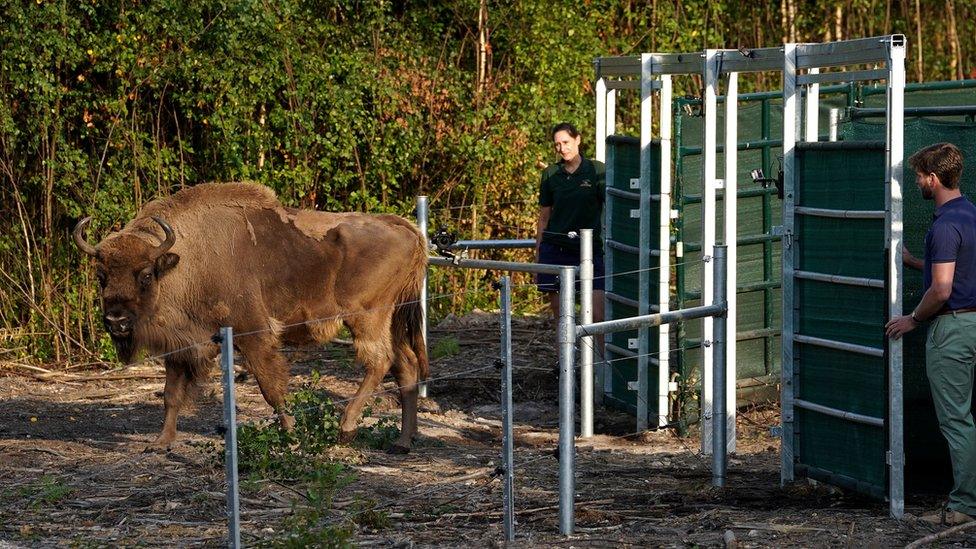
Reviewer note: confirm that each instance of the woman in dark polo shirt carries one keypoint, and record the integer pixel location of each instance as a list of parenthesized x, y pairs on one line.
[(570, 199)]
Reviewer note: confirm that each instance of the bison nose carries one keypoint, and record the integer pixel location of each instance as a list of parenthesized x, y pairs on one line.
[(118, 324)]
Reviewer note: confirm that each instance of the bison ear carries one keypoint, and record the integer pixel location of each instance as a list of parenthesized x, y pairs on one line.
[(166, 262)]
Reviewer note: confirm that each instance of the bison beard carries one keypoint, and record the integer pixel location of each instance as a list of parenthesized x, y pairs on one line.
[(231, 255)]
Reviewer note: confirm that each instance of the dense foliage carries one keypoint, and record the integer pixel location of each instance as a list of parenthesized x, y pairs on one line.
[(336, 104)]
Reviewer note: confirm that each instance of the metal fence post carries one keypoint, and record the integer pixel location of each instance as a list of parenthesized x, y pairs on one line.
[(506, 398), (230, 437), (422, 225), (586, 343), (567, 336), (719, 431)]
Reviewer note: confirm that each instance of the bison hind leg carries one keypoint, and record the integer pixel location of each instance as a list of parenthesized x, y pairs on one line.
[(406, 370)]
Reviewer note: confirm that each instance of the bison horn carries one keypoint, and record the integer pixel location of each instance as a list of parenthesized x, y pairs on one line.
[(170, 237), (79, 235)]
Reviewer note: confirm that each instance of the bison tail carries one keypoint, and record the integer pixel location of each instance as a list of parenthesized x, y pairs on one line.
[(408, 321)]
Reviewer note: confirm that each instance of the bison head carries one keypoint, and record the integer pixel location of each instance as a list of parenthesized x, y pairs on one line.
[(128, 268)]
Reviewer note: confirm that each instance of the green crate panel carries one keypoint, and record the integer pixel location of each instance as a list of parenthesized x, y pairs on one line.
[(624, 371), (841, 179), (842, 380), (842, 447), (847, 247), (623, 155), (850, 314)]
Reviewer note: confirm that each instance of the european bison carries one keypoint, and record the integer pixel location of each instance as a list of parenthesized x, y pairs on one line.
[(229, 254)]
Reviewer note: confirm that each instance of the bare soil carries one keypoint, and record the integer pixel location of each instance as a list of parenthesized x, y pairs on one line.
[(74, 470)]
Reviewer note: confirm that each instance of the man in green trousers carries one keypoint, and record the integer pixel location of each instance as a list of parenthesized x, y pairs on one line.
[(949, 304)]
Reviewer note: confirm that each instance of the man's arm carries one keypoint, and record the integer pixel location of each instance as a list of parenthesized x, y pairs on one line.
[(910, 260), (544, 213), (933, 300)]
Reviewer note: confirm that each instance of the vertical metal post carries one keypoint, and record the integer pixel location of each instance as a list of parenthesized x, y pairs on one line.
[(644, 241), (587, 342), (791, 97), (664, 259), (709, 213), (731, 197), (611, 112), (422, 225), (567, 336), (895, 151), (719, 431), (601, 116), (230, 437), (811, 108), (506, 398), (834, 123)]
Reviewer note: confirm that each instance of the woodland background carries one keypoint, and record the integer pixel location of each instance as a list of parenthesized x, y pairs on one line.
[(339, 105)]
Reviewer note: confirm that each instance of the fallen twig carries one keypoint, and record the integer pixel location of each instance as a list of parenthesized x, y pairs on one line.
[(939, 535)]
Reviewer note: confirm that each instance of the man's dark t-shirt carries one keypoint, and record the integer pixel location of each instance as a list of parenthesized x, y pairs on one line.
[(952, 237), (577, 203)]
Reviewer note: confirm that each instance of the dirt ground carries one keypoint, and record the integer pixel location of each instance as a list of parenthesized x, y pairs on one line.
[(73, 470)]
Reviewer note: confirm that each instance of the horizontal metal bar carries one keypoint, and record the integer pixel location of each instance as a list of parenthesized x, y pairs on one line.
[(626, 139), (647, 321), (842, 214), (630, 249), (618, 66), (623, 84), (834, 412), (759, 333), (496, 265), (747, 335), (627, 353), (620, 350), (622, 300), (846, 52), (767, 95), (757, 286), (760, 59), (678, 63), (742, 146), (741, 193), (844, 76), (837, 279), (613, 191), (840, 145), (839, 345), (493, 244), (953, 110), (695, 246)]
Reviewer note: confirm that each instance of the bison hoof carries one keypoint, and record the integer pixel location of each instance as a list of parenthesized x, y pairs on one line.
[(396, 449), (346, 437)]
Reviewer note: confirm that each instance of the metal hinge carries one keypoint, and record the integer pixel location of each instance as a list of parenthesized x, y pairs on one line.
[(634, 182)]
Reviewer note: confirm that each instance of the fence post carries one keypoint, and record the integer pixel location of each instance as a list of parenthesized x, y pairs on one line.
[(719, 431), (230, 437), (586, 343), (422, 225), (506, 398), (567, 337)]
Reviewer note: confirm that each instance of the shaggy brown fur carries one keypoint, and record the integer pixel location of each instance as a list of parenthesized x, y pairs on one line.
[(276, 275)]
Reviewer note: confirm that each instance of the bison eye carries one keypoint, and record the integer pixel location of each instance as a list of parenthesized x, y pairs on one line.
[(145, 279)]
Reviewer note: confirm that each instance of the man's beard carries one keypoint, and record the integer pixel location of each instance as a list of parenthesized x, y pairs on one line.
[(927, 193)]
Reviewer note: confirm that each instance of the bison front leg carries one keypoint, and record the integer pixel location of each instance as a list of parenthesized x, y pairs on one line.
[(178, 377)]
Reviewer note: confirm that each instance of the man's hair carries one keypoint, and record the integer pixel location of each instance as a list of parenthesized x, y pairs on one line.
[(942, 159), (564, 127)]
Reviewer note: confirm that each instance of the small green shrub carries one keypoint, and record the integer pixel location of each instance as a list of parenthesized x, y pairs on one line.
[(448, 346)]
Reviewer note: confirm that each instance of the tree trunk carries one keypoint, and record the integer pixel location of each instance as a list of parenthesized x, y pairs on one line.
[(919, 64), (955, 60)]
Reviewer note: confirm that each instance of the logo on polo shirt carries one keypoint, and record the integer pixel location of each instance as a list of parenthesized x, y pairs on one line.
[(585, 184)]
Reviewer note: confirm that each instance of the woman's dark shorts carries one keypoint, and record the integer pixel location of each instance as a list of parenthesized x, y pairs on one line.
[(550, 254)]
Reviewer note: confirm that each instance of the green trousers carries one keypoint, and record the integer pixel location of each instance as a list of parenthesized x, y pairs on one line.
[(950, 356)]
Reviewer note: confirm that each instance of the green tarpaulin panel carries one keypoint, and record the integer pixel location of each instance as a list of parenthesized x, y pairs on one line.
[(840, 177), (622, 266)]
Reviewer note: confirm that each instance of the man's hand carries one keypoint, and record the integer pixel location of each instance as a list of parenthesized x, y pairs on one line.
[(900, 326), (910, 260)]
